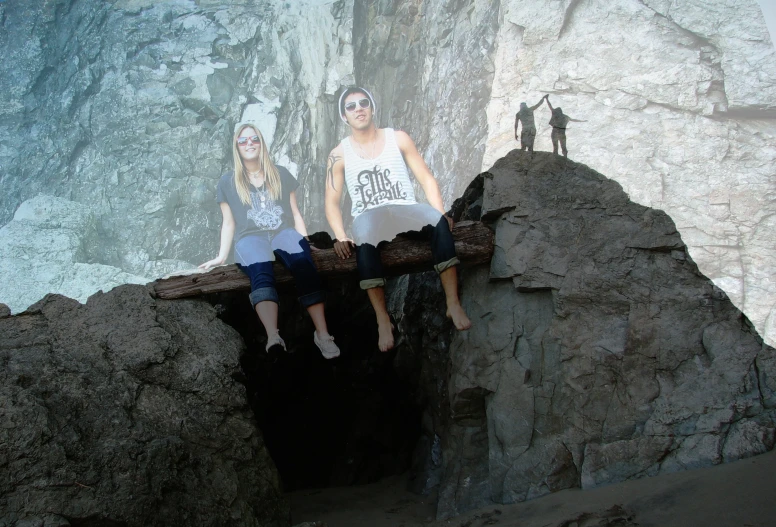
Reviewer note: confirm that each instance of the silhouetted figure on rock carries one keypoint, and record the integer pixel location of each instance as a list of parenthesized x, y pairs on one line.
[(559, 121), (526, 117)]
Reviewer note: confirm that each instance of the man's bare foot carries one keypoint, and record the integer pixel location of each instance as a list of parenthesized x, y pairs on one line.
[(459, 317), (384, 335)]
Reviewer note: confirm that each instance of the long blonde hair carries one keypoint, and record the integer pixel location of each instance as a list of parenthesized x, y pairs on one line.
[(268, 168)]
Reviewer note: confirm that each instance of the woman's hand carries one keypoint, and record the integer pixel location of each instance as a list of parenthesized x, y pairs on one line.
[(212, 263)]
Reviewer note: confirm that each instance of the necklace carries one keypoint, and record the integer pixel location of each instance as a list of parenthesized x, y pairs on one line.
[(254, 178), (363, 150), (261, 192)]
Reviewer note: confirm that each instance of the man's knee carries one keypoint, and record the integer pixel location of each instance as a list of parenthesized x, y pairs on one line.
[(371, 283), (441, 267)]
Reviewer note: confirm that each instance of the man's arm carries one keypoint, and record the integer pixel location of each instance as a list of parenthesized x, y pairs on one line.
[(421, 171), (517, 122), (335, 181), (535, 106)]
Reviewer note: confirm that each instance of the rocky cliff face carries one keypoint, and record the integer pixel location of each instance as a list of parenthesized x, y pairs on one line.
[(598, 352), (127, 107), (679, 100), (125, 412)]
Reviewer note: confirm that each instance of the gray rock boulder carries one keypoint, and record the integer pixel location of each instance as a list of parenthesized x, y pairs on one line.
[(124, 411), (598, 352)]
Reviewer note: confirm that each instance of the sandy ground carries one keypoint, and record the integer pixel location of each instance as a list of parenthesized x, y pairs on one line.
[(740, 494)]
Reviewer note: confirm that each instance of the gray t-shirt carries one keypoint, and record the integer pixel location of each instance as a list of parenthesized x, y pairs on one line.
[(263, 214)]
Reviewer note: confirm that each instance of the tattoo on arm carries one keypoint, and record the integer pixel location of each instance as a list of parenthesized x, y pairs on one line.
[(330, 169)]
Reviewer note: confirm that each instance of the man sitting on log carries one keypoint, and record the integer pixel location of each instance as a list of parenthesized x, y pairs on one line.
[(373, 164)]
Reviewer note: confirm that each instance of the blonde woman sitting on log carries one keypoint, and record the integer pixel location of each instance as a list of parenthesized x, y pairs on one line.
[(260, 214)]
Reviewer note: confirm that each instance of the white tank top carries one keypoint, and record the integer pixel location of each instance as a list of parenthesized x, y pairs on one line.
[(383, 180)]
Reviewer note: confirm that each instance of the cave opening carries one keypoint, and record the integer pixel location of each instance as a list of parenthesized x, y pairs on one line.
[(351, 420)]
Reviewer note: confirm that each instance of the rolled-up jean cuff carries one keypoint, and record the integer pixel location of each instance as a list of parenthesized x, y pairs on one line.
[(264, 294), (371, 283), (310, 299), (444, 266)]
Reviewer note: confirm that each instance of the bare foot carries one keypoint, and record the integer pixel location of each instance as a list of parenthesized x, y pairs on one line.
[(459, 317), (385, 335)]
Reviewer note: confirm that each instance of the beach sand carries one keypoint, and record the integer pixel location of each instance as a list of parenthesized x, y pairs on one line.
[(740, 494)]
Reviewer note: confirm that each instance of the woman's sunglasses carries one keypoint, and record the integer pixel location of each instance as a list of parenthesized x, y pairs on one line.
[(242, 141), (363, 103)]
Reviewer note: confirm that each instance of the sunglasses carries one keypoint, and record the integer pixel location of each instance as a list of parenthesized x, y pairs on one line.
[(363, 103), (242, 141)]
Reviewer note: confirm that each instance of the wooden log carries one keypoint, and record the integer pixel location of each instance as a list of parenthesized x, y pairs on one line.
[(473, 243)]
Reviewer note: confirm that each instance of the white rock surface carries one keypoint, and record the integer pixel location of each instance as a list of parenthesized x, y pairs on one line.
[(42, 247), (679, 99)]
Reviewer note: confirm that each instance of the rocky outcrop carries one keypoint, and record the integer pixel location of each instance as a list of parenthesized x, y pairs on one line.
[(125, 412), (679, 100), (598, 353)]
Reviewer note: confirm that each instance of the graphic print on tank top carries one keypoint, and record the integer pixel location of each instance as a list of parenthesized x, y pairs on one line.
[(265, 213), (374, 187)]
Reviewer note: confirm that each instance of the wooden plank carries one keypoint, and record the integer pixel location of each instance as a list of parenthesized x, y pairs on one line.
[(473, 243)]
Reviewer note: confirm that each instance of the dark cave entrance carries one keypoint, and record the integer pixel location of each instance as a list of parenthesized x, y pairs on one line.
[(346, 421)]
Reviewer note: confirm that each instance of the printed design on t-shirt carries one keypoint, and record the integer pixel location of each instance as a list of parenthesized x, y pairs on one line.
[(265, 213), (373, 187)]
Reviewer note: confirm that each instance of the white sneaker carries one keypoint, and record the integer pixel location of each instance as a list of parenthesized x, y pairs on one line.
[(275, 343), (329, 350)]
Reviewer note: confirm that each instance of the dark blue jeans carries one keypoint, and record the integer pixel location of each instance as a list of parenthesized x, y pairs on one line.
[(374, 226), (254, 256)]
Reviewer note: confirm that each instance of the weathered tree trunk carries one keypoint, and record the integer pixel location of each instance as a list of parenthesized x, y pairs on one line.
[(473, 243)]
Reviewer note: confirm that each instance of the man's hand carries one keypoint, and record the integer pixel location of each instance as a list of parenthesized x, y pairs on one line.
[(344, 248)]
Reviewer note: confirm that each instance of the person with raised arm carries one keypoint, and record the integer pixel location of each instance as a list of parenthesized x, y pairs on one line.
[(559, 121), (526, 117)]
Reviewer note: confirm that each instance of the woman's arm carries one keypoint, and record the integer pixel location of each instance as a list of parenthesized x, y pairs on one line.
[(298, 220), (227, 235)]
